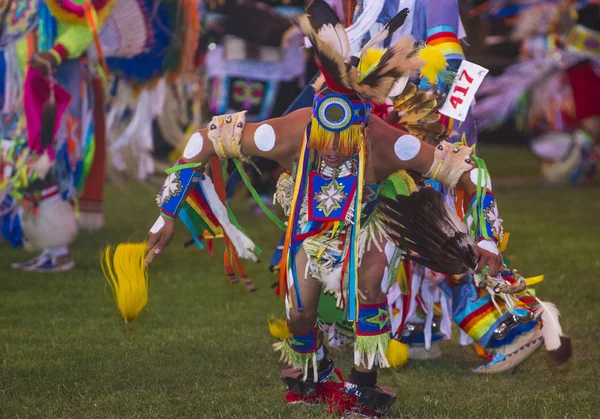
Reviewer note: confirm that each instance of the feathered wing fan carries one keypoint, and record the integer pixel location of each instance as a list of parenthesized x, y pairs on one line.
[(423, 223)]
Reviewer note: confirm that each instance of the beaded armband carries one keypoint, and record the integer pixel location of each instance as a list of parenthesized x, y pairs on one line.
[(449, 164), (372, 328), (373, 319), (177, 186), (485, 224)]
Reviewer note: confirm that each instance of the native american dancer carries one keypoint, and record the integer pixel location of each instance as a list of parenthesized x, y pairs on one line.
[(437, 25), (338, 155), (56, 152), (554, 89)]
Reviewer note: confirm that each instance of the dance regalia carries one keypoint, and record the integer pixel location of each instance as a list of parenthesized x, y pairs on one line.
[(338, 217), (151, 78), (55, 166), (555, 86)]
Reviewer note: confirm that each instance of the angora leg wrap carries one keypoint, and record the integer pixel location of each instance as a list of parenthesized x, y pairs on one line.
[(53, 226)]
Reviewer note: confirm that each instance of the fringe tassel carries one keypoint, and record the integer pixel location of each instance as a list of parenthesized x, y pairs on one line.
[(371, 350), (350, 142), (298, 360)]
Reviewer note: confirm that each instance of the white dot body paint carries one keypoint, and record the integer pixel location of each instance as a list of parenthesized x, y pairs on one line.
[(158, 225), (474, 174), (194, 146), (489, 245), (264, 137), (407, 147)]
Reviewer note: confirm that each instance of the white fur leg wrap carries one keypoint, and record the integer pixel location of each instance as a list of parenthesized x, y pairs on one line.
[(243, 245), (53, 226)]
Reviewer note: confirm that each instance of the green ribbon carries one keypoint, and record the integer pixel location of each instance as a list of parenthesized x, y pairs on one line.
[(181, 167), (476, 208), (257, 197)]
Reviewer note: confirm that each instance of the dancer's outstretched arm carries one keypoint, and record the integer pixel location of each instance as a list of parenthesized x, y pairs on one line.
[(227, 136), (450, 164)]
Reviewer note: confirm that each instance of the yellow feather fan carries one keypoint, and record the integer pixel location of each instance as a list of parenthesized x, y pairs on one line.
[(126, 273), (434, 63)]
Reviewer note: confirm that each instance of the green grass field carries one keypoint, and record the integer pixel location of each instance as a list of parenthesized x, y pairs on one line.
[(201, 348)]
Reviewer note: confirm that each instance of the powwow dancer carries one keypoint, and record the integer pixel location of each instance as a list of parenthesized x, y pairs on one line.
[(336, 224), (57, 155), (437, 25), (554, 89)]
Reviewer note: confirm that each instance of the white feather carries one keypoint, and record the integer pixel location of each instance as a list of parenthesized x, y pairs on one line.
[(336, 37), (398, 86), (242, 243), (551, 329)]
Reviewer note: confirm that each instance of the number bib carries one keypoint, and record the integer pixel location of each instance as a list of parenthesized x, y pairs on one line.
[(462, 92)]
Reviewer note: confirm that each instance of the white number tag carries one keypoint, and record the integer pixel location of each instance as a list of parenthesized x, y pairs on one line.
[(462, 92)]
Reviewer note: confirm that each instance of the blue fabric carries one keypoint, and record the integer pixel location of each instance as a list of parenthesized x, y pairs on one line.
[(47, 30), (305, 100), (276, 258), (10, 224)]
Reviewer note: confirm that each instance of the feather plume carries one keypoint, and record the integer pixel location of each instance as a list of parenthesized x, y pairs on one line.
[(552, 329), (331, 62), (417, 114), (331, 46), (423, 223), (127, 275), (399, 86), (558, 345), (327, 26), (395, 63), (406, 94), (388, 30), (428, 132), (435, 62)]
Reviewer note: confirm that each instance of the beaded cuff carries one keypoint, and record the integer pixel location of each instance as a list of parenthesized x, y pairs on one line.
[(176, 188)]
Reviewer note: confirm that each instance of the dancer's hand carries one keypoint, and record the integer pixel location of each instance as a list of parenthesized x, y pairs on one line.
[(489, 256), (159, 237), (44, 62)]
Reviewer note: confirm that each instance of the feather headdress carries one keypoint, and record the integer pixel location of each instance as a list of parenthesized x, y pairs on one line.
[(331, 45), (349, 85)]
